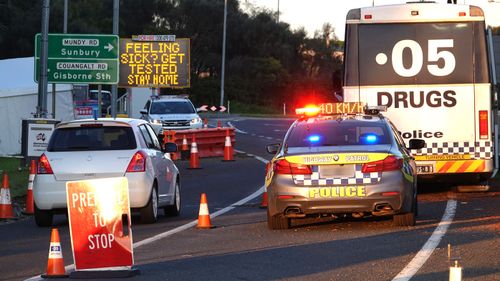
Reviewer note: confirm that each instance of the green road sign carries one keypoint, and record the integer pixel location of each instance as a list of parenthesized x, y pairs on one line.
[(80, 58)]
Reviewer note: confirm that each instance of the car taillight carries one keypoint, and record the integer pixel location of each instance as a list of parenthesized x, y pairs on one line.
[(286, 168), (137, 163), (390, 163), (44, 166)]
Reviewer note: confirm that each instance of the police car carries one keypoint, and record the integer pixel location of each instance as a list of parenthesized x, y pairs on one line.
[(341, 159)]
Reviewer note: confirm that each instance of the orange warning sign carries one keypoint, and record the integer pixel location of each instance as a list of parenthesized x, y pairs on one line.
[(100, 223)]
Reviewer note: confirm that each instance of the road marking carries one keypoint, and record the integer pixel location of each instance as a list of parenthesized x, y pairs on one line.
[(418, 261), (195, 222), (236, 129), (182, 227)]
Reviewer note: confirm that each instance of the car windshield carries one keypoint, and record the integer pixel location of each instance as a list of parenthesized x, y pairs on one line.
[(172, 107), (338, 132), (92, 138)]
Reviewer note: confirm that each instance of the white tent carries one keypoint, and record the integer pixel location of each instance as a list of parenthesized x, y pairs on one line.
[(19, 98)]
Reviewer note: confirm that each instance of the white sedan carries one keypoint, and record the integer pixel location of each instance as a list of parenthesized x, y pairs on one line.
[(103, 148)]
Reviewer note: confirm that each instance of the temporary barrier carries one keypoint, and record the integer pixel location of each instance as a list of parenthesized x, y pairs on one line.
[(210, 141)]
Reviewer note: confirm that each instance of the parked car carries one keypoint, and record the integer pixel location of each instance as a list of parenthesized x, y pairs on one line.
[(172, 112), (102, 148)]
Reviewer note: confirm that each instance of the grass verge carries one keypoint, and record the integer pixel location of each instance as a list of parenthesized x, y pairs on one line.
[(18, 176)]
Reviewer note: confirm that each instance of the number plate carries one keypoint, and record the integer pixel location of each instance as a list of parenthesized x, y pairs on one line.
[(424, 169)]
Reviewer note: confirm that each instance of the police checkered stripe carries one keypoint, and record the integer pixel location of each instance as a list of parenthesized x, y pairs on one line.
[(315, 180), (478, 149)]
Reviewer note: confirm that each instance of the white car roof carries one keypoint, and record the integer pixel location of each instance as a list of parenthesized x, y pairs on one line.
[(111, 121)]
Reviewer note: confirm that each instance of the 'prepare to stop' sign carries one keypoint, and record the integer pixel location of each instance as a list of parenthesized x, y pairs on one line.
[(99, 219)]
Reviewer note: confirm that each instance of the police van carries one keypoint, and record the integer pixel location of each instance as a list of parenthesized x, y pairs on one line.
[(430, 65)]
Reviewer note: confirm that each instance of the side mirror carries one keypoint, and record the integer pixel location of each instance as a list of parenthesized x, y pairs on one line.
[(143, 112), (273, 148), (170, 147), (416, 144)]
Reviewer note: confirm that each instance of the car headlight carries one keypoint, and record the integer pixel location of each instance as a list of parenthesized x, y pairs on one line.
[(156, 121), (196, 120)]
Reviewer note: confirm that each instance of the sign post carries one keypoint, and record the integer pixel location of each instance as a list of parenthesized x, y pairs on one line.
[(100, 226), (80, 58)]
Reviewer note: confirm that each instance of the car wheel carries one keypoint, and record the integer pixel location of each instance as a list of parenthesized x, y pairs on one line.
[(149, 213), (175, 209), (43, 218), (277, 221), (406, 219)]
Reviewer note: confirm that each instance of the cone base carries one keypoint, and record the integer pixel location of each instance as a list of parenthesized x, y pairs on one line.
[(93, 274), (45, 276), (205, 227)]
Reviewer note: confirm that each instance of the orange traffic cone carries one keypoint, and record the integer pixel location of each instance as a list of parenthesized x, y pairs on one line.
[(263, 204), (184, 148), (5, 203), (29, 197), (228, 148), (194, 160), (203, 215), (219, 124), (205, 123), (55, 265)]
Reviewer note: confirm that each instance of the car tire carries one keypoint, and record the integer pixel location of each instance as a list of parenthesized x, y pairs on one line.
[(175, 209), (406, 219), (277, 221), (149, 213), (43, 218)]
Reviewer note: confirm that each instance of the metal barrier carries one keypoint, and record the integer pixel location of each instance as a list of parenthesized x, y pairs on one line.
[(210, 141)]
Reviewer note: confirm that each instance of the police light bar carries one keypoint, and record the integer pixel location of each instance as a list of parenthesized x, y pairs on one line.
[(309, 110), (374, 110)]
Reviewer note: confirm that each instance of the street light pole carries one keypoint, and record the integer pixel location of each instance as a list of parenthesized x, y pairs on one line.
[(278, 17), (114, 88), (223, 56), (41, 109)]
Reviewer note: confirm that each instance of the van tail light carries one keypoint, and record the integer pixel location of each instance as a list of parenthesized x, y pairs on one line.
[(390, 163), (44, 167), (284, 167), (483, 125), (137, 163)]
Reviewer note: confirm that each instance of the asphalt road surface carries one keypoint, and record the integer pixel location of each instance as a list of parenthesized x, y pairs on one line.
[(241, 247)]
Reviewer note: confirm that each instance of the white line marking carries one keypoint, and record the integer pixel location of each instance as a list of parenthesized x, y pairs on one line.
[(236, 129), (182, 227), (195, 222), (418, 261)]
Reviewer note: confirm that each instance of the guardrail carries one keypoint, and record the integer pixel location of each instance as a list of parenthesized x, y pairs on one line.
[(210, 141)]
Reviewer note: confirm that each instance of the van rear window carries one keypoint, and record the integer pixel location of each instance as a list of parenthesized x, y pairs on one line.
[(92, 138)]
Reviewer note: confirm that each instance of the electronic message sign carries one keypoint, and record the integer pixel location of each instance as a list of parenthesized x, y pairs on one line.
[(162, 63)]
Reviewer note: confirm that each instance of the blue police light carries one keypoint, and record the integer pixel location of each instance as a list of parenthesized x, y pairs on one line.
[(313, 138), (371, 139)]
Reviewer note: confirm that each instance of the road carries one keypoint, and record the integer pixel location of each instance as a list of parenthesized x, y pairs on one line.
[(241, 247)]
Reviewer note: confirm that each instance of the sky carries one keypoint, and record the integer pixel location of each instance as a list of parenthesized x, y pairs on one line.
[(312, 14)]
